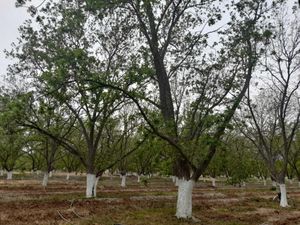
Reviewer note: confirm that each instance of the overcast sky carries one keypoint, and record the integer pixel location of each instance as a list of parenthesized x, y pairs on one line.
[(10, 19)]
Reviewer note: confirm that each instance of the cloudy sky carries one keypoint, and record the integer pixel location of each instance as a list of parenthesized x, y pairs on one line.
[(10, 19)]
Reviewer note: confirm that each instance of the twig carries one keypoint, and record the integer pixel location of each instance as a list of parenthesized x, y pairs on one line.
[(61, 216), (73, 211)]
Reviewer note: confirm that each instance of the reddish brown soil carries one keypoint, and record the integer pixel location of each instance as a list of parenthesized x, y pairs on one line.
[(26, 202)]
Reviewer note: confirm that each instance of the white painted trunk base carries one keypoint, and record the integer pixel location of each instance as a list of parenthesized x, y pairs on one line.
[(139, 179), (68, 176), (283, 197), (184, 199), (173, 179), (45, 179), (176, 181), (9, 175), (265, 182), (95, 186), (123, 181), (213, 182), (90, 182), (50, 174), (1, 173)]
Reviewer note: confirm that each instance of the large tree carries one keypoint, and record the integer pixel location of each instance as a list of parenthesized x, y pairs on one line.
[(195, 83)]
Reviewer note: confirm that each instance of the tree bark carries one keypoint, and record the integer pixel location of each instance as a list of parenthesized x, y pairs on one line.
[(123, 181), (90, 182), (45, 179), (184, 200), (9, 175), (283, 196)]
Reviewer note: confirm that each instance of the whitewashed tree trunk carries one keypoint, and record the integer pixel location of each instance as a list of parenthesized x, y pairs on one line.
[(68, 176), (123, 181), (184, 199), (213, 182), (95, 186), (265, 182), (90, 182), (50, 174), (274, 184), (283, 197), (45, 179), (139, 179), (173, 179), (1, 172), (9, 175), (176, 181)]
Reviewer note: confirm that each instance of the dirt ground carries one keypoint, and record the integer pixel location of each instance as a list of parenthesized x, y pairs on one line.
[(24, 201)]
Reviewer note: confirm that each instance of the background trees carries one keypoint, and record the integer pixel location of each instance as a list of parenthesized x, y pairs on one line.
[(13, 137)]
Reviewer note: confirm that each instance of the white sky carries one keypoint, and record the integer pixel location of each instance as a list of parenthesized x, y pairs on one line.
[(10, 19)]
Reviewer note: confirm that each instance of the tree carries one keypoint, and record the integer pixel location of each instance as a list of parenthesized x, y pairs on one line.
[(56, 59), (145, 161), (275, 114), (70, 163), (188, 81), (294, 156), (241, 160), (13, 138)]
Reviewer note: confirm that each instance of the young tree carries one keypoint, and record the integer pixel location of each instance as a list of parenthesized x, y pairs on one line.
[(70, 163), (145, 161)]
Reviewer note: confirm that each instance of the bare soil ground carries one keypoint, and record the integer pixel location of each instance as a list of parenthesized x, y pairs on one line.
[(25, 202)]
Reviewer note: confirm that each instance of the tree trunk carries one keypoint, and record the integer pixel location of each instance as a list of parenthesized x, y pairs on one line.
[(184, 200), (274, 184), (95, 186), (50, 174), (265, 182), (138, 178), (90, 182), (283, 196), (45, 179), (123, 181), (68, 176), (9, 175), (173, 179), (213, 182)]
